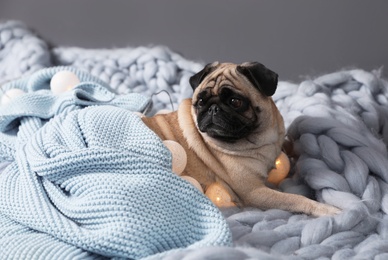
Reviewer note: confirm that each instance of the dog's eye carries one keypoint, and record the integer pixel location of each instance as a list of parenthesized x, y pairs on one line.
[(235, 102), (200, 102)]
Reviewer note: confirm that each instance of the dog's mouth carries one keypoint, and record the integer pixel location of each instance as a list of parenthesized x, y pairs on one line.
[(224, 131), (221, 135), (218, 133)]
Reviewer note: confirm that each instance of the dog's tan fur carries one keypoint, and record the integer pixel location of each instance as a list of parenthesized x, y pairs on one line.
[(240, 167)]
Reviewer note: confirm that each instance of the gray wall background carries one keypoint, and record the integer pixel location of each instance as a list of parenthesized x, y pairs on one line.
[(296, 38)]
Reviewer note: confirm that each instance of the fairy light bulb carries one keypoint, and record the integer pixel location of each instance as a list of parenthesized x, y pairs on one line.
[(219, 196), (179, 162), (11, 94), (281, 170), (63, 81), (193, 181), (179, 156)]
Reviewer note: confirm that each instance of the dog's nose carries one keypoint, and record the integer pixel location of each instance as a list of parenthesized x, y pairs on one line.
[(213, 109)]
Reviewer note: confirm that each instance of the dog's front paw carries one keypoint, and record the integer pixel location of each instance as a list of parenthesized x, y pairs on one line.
[(325, 210)]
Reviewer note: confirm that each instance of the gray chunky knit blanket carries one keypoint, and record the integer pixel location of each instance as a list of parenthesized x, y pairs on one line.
[(336, 129)]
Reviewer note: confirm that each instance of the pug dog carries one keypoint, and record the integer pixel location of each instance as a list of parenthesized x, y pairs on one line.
[(232, 133)]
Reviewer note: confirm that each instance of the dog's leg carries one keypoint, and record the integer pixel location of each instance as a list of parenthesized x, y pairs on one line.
[(266, 198)]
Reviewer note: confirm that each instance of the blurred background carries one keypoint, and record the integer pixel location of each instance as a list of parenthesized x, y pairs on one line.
[(297, 38)]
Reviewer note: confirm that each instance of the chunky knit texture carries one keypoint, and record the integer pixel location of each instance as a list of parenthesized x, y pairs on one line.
[(337, 125)]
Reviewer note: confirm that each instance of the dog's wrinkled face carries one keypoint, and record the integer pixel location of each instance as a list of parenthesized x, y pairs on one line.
[(231, 102), (226, 115)]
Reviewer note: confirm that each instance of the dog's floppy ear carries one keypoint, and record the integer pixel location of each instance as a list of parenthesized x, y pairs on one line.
[(196, 79), (260, 76)]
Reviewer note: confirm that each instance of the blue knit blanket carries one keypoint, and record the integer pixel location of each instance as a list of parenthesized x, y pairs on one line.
[(84, 177), (337, 131)]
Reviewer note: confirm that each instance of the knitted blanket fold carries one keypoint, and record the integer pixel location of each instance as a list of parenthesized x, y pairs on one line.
[(336, 130), (93, 180)]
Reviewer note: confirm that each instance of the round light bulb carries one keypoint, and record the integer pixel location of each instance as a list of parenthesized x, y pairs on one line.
[(281, 170), (179, 157), (11, 94), (63, 81), (193, 181), (219, 196)]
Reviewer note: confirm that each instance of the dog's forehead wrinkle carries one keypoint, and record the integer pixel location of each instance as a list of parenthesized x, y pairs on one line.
[(219, 79), (231, 89), (211, 90), (219, 75)]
